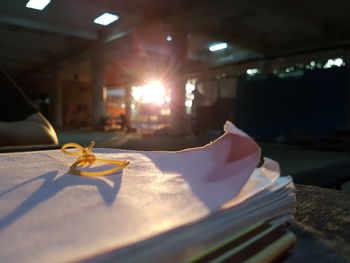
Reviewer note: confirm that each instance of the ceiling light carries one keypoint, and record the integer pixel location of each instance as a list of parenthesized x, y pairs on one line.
[(217, 46), (106, 19), (169, 38), (37, 4)]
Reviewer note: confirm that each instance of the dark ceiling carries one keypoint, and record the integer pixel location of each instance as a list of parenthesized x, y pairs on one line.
[(33, 41)]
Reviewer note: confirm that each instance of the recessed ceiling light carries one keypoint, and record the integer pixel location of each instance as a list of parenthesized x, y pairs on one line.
[(217, 46), (38, 4), (106, 19)]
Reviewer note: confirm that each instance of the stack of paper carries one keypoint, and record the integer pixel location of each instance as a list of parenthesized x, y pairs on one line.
[(162, 203)]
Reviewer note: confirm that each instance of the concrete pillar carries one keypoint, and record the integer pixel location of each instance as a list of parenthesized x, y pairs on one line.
[(127, 100), (55, 97), (178, 65), (98, 85)]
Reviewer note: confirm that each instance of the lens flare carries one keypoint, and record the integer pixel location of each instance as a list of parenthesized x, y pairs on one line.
[(153, 92)]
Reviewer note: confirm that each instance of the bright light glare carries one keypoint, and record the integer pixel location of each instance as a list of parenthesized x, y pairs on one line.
[(106, 19), (38, 4), (338, 62), (218, 46), (190, 87), (329, 63), (167, 99), (188, 103), (169, 38), (252, 71), (153, 92)]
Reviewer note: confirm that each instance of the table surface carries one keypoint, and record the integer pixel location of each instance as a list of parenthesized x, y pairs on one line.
[(322, 225)]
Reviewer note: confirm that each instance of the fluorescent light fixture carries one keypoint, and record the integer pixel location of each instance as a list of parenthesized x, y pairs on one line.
[(106, 19), (217, 46), (38, 4)]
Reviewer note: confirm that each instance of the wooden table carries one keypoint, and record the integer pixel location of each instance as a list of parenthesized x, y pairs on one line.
[(322, 225)]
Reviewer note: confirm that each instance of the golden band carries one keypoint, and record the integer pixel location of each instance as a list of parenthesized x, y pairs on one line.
[(89, 158)]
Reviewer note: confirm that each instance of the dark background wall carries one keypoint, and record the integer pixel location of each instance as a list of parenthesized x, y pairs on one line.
[(286, 109)]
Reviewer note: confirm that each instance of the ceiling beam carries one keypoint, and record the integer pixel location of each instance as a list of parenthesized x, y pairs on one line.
[(9, 19), (105, 39), (112, 37), (32, 41), (120, 29), (201, 21), (236, 40), (56, 61)]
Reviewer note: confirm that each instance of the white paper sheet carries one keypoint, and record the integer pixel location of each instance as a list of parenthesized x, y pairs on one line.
[(49, 215)]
